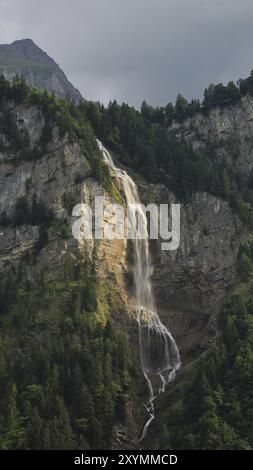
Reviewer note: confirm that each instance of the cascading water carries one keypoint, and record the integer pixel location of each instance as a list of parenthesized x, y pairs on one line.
[(158, 350)]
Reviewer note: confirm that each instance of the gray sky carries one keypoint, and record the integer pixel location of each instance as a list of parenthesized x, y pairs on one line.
[(133, 50)]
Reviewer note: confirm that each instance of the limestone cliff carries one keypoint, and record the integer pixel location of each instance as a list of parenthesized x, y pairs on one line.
[(223, 132), (61, 178), (191, 281)]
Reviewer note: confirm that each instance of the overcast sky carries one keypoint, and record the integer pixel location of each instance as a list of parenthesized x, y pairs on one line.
[(133, 50)]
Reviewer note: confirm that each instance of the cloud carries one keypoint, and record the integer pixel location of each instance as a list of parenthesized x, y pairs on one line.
[(138, 49)]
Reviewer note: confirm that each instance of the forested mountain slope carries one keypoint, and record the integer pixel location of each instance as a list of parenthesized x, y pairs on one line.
[(199, 154), (68, 373), (69, 369)]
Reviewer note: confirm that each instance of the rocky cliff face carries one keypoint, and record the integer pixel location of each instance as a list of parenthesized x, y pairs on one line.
[(46, 178), (25, 58), (190, 282), (61, 178), (40, 250), (224, 132)]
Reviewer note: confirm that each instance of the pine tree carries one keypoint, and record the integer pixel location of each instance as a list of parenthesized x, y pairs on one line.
[(15, 434)]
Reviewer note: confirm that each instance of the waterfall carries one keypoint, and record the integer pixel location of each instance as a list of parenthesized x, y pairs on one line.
[(158, 350)]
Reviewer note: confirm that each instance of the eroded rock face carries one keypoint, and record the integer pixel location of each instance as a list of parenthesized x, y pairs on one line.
[(203, 268), (227, 132), (31, 120), (59, 179), (191, 281)]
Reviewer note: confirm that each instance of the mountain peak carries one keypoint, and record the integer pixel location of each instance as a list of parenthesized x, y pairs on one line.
[(24, 57), (24, 41)]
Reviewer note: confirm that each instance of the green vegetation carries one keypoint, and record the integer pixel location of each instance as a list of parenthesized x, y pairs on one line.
[(69, 201), (67, 372), (145, 146), (143, 143), (140, 140), (61, 113), (212, 405), (37, 214), (68, 376)]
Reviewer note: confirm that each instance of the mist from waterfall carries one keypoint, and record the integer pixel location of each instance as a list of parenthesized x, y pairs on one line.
[(158, 350)]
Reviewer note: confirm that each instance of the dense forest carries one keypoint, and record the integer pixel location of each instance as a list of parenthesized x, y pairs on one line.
[(66, 370)]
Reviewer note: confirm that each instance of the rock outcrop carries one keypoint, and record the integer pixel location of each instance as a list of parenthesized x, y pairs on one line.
[(59, 179), (191, 281), (223, 133)]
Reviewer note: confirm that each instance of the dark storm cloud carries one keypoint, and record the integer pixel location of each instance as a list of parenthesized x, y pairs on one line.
[(138, 49)]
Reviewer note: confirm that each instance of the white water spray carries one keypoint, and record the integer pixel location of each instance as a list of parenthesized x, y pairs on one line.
[(158, 350)]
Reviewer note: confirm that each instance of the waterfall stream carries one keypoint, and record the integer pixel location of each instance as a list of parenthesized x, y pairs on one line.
[(158, 350)]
